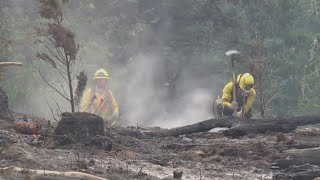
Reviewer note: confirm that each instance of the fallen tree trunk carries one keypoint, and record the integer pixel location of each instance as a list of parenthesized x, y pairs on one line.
[(198, 127), (296, 161), (315, 152), (261, 126), (304, 175), (240, 127), (10, 64), (8, 172), (299, 157), (296, 145)]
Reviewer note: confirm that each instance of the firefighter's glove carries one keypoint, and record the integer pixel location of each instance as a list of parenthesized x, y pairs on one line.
[(238, 114), (234, 105), (112, 119)]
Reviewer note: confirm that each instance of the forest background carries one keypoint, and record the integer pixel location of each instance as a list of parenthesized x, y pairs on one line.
[(166, 58)]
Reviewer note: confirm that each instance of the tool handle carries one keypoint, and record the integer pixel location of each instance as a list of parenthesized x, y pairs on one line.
[(10, 64), (234, 89)]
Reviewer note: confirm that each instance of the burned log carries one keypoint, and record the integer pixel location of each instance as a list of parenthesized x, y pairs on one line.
[(202, 126), (298, 144), (261, 126), (313, 152), (296, 157), (241, 127), (303, 172)]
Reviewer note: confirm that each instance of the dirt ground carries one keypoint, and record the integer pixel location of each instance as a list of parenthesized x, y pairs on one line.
[(202, 156)]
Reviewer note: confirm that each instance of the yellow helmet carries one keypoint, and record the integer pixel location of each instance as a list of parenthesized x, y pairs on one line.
[(101, 74), (246, 81)]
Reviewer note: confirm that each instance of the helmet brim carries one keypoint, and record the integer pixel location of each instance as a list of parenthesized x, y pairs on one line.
[(101, 78)]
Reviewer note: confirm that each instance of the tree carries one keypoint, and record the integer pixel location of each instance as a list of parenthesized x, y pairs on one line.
[(60, 49)]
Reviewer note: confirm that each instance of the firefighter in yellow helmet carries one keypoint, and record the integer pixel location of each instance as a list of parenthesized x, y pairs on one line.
[(245, 97), (99, 100)]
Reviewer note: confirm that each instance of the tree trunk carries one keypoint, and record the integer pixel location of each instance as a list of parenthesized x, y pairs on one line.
[(70, 82), (261, 126), (241, 127), (202, 126)]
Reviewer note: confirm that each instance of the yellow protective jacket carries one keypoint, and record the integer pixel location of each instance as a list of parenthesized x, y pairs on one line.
[(103, 105), (227, 97)]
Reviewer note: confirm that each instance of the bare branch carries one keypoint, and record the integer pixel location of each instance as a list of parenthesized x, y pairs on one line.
[(64, 91), (63, 76), (61, 59), (51, 86), (57, 49), (76, 69), (51, 111), (313, 13), (45, 44), (57, 105), (274, 96)]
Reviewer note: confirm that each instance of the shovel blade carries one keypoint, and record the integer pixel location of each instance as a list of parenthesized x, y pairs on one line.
[(232, 52)]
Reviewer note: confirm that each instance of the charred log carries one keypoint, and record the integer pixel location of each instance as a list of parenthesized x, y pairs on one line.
[(203, 126), (261, 126), (303, 172), (297, 145), (241, 127), (299, 157)]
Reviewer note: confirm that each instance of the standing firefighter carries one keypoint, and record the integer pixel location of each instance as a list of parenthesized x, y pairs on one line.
[(241, 106), (100, 100)]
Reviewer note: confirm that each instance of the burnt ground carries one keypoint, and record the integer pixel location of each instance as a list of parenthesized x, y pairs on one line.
[(203, 156)]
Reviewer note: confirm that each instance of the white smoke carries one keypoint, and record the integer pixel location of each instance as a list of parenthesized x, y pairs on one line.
[(141, 86), (195, 107)]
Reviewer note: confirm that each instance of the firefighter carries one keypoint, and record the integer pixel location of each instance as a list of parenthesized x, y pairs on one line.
[(99, 100), (245, 97)]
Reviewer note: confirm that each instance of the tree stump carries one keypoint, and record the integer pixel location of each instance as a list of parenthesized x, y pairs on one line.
[(78, 127)]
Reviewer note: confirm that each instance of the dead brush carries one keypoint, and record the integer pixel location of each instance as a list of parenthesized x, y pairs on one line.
[(82, 83), (64, 38), (51, 9), (26, 128), (260, 145), (280, 137)]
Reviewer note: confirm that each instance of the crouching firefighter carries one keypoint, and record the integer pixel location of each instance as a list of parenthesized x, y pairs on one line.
[(241, 105), (99, 100)]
